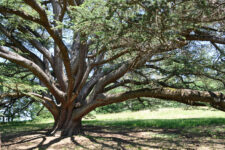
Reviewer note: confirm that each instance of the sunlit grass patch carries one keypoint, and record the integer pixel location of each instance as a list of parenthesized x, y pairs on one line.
[(167, 113), (163, 118)]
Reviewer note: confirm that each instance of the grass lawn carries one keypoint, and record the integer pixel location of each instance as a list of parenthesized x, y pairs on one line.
[(163, 118), (175, 127), (17, 127)]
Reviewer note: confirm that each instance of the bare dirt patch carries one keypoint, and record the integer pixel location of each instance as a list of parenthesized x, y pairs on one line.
[(105, 138)]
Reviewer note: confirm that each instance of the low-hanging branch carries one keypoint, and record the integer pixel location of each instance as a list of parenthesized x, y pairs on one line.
[(180, 95)]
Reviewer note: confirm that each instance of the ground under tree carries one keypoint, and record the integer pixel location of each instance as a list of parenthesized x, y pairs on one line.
[(82, 51)]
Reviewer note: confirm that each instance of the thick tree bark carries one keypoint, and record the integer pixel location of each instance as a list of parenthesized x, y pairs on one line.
[(66, 125)]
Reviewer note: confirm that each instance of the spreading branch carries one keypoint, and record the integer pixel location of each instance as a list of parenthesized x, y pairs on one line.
[(180, 95)]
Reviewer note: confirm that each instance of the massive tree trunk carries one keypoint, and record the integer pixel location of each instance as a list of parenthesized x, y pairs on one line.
[(72, 127), (68, 121), (66, 125)]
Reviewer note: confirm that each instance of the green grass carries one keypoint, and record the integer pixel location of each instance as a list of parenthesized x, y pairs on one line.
[(163, 118), (16, 127), (167, 113), (160, 123), (173, 118)]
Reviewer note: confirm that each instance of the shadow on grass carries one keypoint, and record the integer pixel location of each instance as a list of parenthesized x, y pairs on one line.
[(123, 134), (13, 129)]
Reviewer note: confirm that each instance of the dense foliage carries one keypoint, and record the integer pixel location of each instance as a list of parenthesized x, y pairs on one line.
[(83, 54)]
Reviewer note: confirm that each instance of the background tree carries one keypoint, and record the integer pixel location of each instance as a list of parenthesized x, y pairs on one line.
[(17, 80), (81, 50)]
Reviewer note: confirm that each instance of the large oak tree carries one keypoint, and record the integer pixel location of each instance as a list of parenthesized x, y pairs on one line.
[(83, 51)]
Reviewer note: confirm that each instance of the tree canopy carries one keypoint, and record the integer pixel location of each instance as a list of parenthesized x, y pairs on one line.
[(89, 53)]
